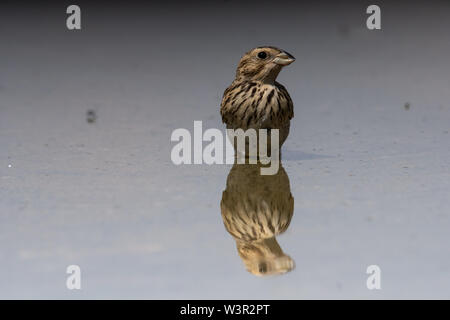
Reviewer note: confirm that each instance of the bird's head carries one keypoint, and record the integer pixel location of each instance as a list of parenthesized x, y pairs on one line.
[(263, 64)]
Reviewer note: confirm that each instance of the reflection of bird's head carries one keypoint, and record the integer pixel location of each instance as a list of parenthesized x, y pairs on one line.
[(255, 208), (264, 257), (263, 64)]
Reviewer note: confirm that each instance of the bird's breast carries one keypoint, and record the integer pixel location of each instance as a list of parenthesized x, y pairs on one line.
[(255, 105)]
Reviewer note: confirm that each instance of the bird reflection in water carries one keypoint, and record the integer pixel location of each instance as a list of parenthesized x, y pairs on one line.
[(255, 209)]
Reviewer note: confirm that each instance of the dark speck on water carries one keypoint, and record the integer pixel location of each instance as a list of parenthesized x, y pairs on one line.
[(407, 106), (343, 30), (91, 116)]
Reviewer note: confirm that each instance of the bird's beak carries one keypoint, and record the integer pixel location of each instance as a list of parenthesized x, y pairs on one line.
[(283, 59)]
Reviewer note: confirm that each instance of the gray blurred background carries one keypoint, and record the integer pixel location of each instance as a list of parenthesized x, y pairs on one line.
[(368, 156)]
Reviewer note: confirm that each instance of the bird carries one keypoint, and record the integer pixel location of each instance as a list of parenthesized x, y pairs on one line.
[(255, 209), (255, 100)]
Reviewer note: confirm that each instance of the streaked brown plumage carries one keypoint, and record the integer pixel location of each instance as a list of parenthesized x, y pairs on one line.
[(255, 209), (254, 99)]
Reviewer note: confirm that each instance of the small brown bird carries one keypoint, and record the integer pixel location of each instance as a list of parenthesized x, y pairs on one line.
[(254, 99)]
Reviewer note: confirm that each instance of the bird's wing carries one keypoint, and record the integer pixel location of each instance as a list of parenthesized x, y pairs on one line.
[(234, 98), (226, 103)]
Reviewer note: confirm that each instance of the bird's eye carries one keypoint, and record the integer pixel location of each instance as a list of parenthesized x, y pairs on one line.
[(262, 55)]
